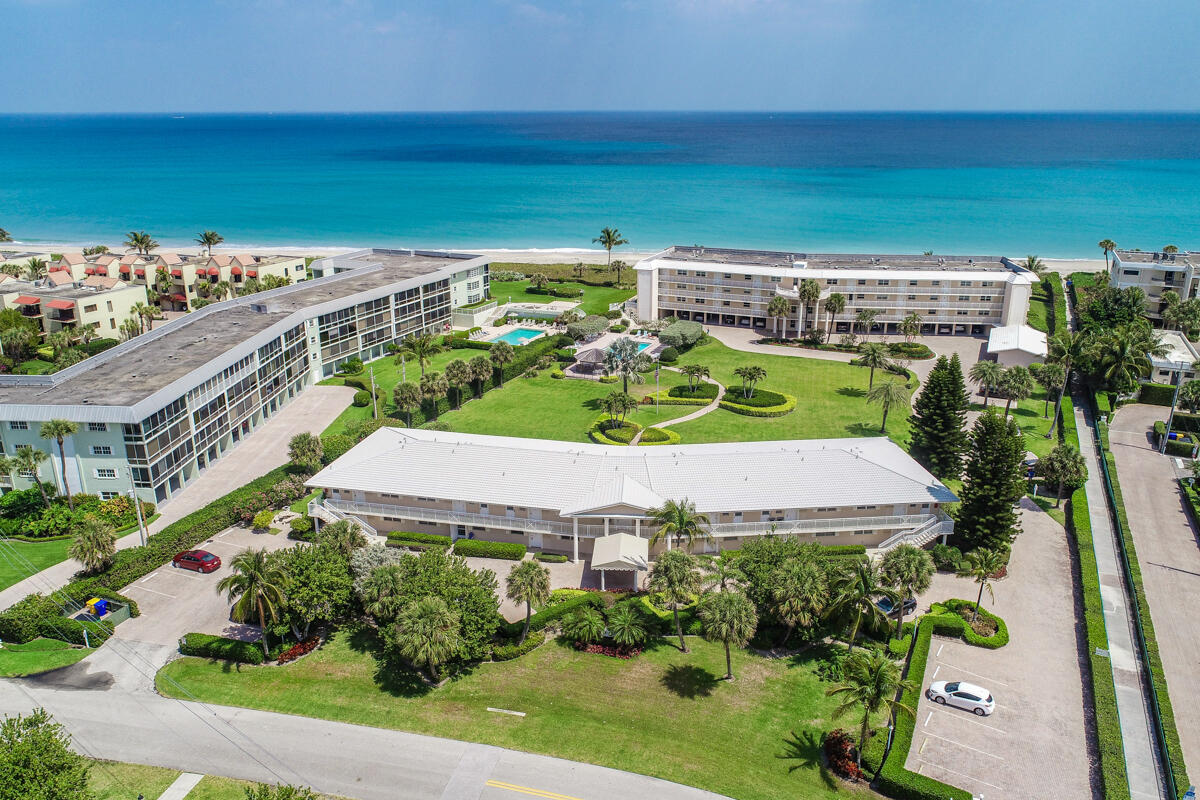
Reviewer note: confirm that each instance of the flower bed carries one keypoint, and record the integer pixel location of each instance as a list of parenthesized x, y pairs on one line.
[(611, 651), (751, 408), (839, 753), (299, 649), (622, 435)]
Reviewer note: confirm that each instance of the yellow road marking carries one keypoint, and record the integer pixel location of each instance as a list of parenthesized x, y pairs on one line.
[(512, 787)]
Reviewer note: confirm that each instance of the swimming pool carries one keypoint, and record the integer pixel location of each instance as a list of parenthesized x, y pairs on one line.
[(519, 336), (641, 346)]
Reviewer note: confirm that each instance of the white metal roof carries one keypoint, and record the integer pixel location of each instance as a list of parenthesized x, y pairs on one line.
[(1017, 337), (574, 478), (1179, 351), (621, 551)]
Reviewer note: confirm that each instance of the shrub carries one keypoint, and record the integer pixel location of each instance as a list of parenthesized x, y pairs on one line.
[(511, 650), (362, 398), (659, 436), (609, 379), (619, 328), (299, 649), (423, 538), (557, 374), (839, 752), (513, 551), (554, 612), (1156, 394), (945, 557), (704, 391), (662, 396), (203, 645), (334, 446), (681, 334), (551, 558), (263, 519), (738, 406), (409, 544), (352, 366), (356, 382), (669, 355), (613, 313), (588, 326)]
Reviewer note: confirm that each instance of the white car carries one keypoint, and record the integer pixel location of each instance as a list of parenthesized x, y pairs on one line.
[(962, 695)]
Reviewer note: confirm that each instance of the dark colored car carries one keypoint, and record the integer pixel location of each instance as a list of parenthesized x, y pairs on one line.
[(888, 607), (198, 560)]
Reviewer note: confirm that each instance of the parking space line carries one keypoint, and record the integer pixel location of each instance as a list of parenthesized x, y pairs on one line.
[(155, 591), (961, 774), (939, 652), (148, 577), (967, 746), (977, 675), (928, 718), (964, 718), (935, 672)]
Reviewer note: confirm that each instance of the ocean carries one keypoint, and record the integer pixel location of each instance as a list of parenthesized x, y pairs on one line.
[(1002, 184)]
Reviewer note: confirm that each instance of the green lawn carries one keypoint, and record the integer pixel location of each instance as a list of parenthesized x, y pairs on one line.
[(301, 505), (1028, 415), (115, 780), (1041, 310), (832, 399), (40, 655), (596, 299), (40, 554), (664, 713)]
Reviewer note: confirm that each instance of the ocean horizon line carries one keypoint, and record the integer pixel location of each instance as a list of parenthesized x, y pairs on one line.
[(1009, 112)]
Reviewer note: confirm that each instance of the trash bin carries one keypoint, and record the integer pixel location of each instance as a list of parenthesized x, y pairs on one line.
[(100, 608), (91, 605)]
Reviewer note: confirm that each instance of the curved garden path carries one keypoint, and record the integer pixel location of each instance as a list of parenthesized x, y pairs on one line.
[(700, 412)]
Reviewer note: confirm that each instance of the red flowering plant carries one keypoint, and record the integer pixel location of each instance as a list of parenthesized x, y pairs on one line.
[(840, 753)]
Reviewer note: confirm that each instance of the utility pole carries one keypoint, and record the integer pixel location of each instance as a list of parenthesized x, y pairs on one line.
[(374, 403), (137, 505), (656, 389), (1162, 446)]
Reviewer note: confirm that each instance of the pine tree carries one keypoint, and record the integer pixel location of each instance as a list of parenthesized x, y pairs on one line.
[(939, 415), (987, 517)]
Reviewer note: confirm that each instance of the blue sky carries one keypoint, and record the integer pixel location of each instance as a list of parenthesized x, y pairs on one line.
[(348, 55)]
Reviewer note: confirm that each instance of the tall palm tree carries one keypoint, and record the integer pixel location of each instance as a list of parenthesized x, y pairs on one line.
[(695, 373), (86, 334), (422, 347), (1065, 348), (30, 459), (617, 405), (676, 576), (608, 239), (434, 387), (722, 572), (853, 597), (1051, 378), (1107, 245), (1017, 384), (144, 314), (528, 582), (987, 375), (798, 594), (221, 289), (864, 320), (427, 633), (407, 397), (1125, 356), (35, 269), (625, 359), (162, 282), (809, 292), (874, 355), (501, 353), (750, 375), (208, 240), (871, 683), (910, 326), (458, 375), (1064, 465), (889, 395), (728, 617), (834, 305), (1034, 265), (980, 566), (481, 370), (778, 309), (909, 569), (94, 544), (254, 586), (59, 340), (140, 242), (679, 518), (59, 430), (1170, 250)]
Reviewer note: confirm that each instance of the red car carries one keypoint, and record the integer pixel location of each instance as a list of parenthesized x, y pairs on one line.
[(198, 560)]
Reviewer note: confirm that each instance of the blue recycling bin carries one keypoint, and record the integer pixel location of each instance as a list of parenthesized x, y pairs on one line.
[(101, 607), (1172, 435)]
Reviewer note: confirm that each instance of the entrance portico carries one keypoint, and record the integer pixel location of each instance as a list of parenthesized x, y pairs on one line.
[(619, 504)]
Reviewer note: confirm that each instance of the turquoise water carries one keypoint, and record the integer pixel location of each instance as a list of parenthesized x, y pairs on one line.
[(519, 336), (969, 183)]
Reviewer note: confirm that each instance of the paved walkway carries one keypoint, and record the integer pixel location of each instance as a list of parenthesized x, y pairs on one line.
[(261, 452), (713, 406), (1141, 753), (181, 786)]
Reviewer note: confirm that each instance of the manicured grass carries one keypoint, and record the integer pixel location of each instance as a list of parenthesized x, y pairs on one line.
[(35, 366), (1041, 310), (40, 554), (664, 713), (301, 505), (832, 399), (1028, 415), (595, 300), (1045, 503), (40, 655), (115, 780)]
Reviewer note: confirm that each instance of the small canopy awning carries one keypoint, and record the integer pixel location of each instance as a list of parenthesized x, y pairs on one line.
[(60, 268), (253, 273), (101, 271), (178, 298), (89, 271), (26, 300), (176, 273), (125, 269), (236, 270), (214, 271), (140, 271), (593, 356), (621, 551), (61, 305)]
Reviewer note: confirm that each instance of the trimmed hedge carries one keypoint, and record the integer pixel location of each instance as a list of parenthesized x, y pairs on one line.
[(38, 616), (203, 645), (409, 544), (513, 551), (787, 407), (553, 613), (763, 398), (665, 398), (657, 436), (1156, 394), (423, 538), (507, 652), (551, 558), (664, 619), (621, 436), (706, 391), (993, 642), (681, 334)]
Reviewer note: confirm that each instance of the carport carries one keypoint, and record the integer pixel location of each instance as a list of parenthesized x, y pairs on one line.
[(620, 552)]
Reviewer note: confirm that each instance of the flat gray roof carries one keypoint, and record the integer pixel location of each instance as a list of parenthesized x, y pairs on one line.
[(773, 258), (138, 369), (1180, 259)]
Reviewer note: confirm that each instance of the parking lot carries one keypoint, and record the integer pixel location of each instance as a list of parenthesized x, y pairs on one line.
[(178, 601), (1035, 744)]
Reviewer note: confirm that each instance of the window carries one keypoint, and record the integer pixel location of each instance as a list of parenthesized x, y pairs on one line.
[(831, 281), (101, 450), (747, 277), (912, 297), (725, 302), (26, 474), (681, 272), (962, 312), (89, 309), (17, 425), (97, 427), (106, 474), (962, 298), (108, 495), (860, 297), (109, 304), (1132, 272), (862, 282), (727, 276), (964, 283), (935, 283), (863, 533), (933, 311), (987, 298), (881, 297), (986, 284), (775, 279), (885, 283), (983, 312), (912, 283), (826, 533)]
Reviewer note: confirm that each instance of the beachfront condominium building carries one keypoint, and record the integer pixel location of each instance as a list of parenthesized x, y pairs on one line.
[(167, 404), (56, 302), (561, 496), (951, 294), (1154, 273)]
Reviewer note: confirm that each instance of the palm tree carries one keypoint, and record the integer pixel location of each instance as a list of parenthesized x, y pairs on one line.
[(854, 592), (750, 375), (407, 397), (722, 572), (143, 313), (343, 537), (871, 682), (59, 430), (777, 309), (909, 569), (434, 387), (586, 626), (427, 633), (1051, 377), (5, 236), (809, 292), (874, 355), (222, 289), (1125, 356), (623, 358), (130, 328), (695, 373), (987, 375), (140, 242), (1170, 250), (59, 340), (625, 627), (834, 305), (35, 269), (1034, 265), (481, 370), (94, 544), (162, 282), (1107, 245), (458, 375), (680, 519), (616, 267), (676, 576), (981, 566), (254, 585), (528, 582), (10, 268), (888, 394), (538, 280), (1064, 465), (30, 459), (501, 353), (1017, 384), (798, 593), (617, 405), (910, 326), (865, 319), (728, 617), (86, 334), (422, 347), (1065, 348), (208, 240), (608, 239)]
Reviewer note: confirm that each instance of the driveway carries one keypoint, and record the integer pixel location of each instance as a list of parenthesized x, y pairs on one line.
[(1169, 558), (1037, 738)]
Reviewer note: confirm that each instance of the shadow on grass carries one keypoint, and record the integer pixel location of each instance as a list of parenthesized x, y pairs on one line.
[(689, 681), (864, 429), (391, 674), (803, 750), (850, 391)]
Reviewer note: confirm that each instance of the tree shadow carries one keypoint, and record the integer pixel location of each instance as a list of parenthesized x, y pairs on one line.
[(392, 675), (851, 391), (804, 751), (863, 429), (689, 681)]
